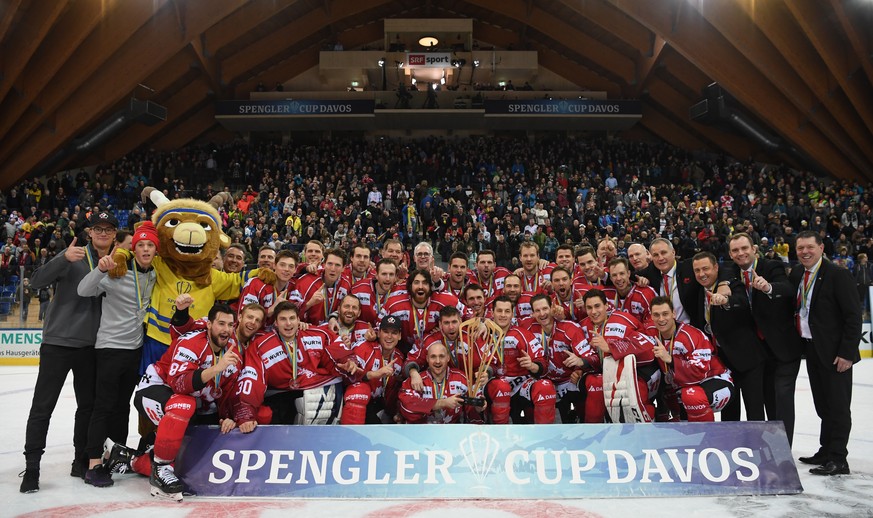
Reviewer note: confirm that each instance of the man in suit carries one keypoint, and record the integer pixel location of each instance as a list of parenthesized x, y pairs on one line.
[(676, 280), (829, 322), (771, 301), (724, 315)]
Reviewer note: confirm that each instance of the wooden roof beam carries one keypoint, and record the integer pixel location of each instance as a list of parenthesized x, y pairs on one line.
[(842, 63), (40, 16), (138, 58), (646, 63), (850, 22), (716, 57), (177, 107), (571, 37), (764, 35), (613, 21), (209, 65), (549, 59), (91, 55), (8, 14), (235, 67), (188, 130), (241, 22)]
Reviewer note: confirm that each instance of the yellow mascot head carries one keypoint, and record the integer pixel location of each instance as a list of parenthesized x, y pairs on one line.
[(190, 233)]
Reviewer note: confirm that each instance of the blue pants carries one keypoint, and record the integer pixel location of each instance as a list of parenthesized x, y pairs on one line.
[(152, 350)]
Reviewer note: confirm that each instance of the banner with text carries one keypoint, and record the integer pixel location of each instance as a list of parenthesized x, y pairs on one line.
[(573, 107), (20, 346), (429, 59), (295, 107), (497, 461)]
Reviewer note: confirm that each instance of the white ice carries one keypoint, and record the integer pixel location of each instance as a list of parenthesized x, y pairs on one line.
[(63, 496)]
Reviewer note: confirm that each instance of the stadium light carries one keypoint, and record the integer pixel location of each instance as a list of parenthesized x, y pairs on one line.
[(382, 63)]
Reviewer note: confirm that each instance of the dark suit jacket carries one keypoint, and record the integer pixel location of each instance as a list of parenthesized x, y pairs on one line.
[(834, 314), (686, 284), (734, 328), (774, 314)]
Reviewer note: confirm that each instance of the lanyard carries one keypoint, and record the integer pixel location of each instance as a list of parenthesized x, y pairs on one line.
[(708, 295), (453, 350), (546, 338), (670, 282), (291, 352), (440, 387), (330, 302), (380, 300), (806, 287), (489, 286), (536, 282), (138, 288), (669, 346), (89, 257), (419, 321)]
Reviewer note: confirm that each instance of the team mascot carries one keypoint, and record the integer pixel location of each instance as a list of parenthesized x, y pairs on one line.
[(190, 235)]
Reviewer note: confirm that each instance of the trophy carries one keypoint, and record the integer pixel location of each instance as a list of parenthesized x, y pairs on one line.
[(493, 337)]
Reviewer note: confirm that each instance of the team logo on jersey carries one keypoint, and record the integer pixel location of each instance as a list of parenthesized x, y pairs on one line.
[(480, 450), (183, 287), (615, 330)]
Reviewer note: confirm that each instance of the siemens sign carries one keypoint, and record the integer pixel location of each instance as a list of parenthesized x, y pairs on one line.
[(563, 107), (468, 461), (294, 107)]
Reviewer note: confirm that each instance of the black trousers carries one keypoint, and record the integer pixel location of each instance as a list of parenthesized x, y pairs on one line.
[(117, 376), (749, 386), (55, 362), (780, 380), (832, 397)]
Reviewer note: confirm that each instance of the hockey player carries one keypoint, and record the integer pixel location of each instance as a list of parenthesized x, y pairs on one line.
[(534, 278), (566, 350), (690, 364), (419, 308), (520, 301), (359, 268), (296, 372), (319, 295), (567, 295), (624, 294), (375, 292), (618, 335), (488, 275), (373, 399), (457, 278), (519, 383), (440, 399), (186, 384), (256, 292), (473, 296), (351, 329)]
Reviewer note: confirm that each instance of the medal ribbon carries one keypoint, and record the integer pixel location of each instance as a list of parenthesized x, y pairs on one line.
[(806, 286), (438, 387), (291, 352), (536, 282), (89, 257), (489, 286), (419, 322), (329, 302)]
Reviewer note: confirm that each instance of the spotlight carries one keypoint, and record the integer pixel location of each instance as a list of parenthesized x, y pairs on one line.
[(414, 81), (382, 63), (433, 86), (475, 63), (399, 64), (443, 80), (456, 63)]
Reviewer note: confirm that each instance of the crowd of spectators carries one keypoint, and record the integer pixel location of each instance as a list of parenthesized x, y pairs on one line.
[(462, 194)]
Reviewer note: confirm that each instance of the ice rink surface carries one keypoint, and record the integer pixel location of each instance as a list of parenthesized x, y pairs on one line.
[(63, 496)]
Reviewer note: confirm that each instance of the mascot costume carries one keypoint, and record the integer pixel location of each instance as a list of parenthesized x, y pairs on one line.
[(190, 236)]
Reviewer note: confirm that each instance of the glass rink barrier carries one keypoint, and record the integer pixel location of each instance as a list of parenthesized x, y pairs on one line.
[(22, 310)]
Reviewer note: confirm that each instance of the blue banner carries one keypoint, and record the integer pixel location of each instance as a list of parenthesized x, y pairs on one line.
[(289, 107), (469, 461), (577, 107)]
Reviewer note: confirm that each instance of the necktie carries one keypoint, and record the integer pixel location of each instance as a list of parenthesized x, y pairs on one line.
[(667, 286), (747, 277)]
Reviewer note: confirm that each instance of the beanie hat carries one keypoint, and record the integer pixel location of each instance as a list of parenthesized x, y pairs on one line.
[(145, 231)]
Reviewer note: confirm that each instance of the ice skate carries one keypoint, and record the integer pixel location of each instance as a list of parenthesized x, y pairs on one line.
[(119, 459), (164, 483)]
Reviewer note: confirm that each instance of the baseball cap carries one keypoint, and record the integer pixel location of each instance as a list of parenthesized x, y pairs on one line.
[(103, 217), (390, 322)]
